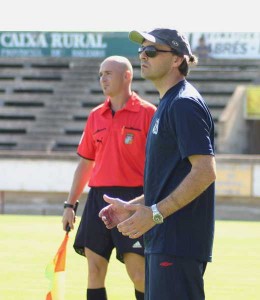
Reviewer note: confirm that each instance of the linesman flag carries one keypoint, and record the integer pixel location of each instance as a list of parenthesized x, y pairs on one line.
[(55, 270)]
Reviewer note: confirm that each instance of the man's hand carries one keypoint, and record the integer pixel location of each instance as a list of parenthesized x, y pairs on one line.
[(132, 220), (68, 218), (114, 213), (140, 222)]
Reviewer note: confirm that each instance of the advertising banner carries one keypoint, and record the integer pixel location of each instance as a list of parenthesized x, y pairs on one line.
[(252, 103), (234, 179), (226, 45), (65, 44)]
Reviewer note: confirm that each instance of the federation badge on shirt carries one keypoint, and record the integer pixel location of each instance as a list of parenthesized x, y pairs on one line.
[(129, 138)]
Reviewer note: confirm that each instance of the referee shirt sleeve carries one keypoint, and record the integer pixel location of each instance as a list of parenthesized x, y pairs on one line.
[(86, 147)]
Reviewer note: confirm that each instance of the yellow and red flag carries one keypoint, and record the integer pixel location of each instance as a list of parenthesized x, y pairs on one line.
[(55, 272)]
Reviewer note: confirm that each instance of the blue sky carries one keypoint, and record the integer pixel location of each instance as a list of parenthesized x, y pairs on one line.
[(118, 15)]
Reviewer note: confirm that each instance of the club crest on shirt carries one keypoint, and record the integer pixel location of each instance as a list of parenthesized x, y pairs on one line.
[(129, 138), (156, 126)]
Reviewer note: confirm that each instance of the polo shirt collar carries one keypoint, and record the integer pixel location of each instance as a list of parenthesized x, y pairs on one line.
[(132, 104)]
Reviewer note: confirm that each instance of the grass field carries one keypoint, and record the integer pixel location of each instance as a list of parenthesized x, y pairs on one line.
[(28, 243)]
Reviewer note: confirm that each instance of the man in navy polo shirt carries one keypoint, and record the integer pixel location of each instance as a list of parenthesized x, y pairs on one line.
[(176, 212)]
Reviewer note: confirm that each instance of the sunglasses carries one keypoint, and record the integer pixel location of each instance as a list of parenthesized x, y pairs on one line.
[(151, 51)]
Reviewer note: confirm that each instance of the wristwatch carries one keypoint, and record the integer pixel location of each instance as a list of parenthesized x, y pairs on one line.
[(157, 216), (66, 204)]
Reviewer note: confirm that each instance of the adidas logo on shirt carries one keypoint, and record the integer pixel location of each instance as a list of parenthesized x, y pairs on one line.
[(137, 245)]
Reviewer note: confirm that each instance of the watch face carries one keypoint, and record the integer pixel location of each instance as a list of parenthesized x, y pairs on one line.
[(157, 216), (158, 219)]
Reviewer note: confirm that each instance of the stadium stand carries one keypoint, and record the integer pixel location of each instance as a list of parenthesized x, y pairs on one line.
[(44, 102)]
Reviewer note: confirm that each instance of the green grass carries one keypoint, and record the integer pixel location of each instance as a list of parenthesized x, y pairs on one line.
[(28, 243)]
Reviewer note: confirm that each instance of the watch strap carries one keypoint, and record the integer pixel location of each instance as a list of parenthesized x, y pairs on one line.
[(68, 205)]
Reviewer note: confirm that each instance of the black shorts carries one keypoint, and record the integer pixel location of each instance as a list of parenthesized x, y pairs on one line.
[(93, 234), (173, 278)]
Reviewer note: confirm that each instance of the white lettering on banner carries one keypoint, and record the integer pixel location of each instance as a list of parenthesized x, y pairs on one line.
[(23, 40), (87, 53), (16, 52), (77, 40), (226, 44), (57, 40)]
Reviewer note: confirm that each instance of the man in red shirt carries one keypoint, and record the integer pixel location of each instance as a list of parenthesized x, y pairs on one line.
[(112, 154)]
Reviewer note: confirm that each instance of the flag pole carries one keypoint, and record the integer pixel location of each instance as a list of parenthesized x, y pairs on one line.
[(55, 270)]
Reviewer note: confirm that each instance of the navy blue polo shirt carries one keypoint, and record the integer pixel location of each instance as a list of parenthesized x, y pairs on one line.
[(182, 126)]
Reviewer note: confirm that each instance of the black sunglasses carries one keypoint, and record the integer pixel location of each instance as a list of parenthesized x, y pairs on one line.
[(151, 51)]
